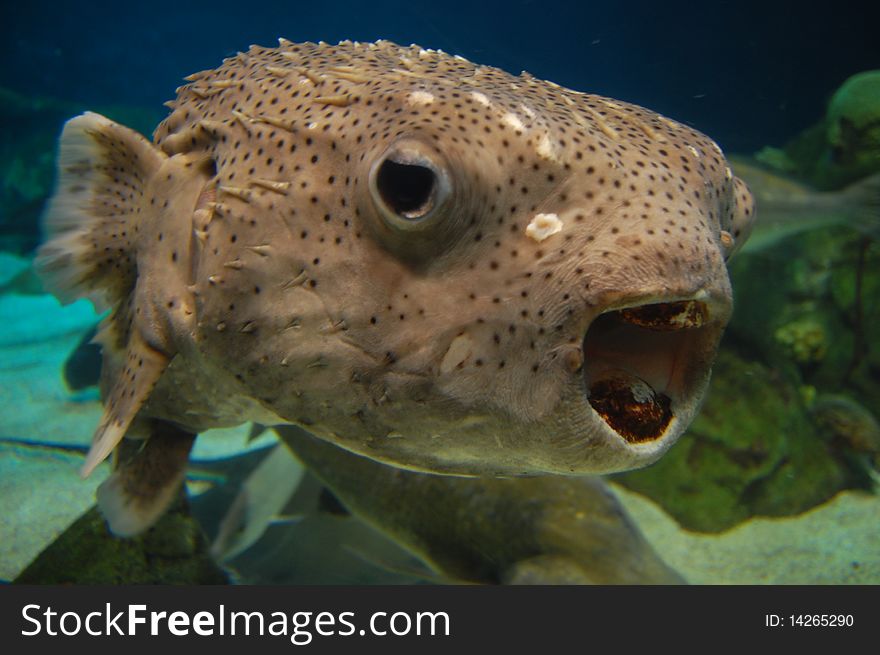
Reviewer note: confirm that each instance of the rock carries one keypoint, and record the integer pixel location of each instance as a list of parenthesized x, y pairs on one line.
[(174, 551), (811, 322), (844, 146), (853, 121)]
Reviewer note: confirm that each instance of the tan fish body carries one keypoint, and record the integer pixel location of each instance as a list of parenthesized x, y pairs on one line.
[(789, 207), (429, 262), (527, 530)]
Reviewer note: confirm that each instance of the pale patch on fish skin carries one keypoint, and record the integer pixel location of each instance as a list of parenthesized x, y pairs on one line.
[(513, 121), (459, 350), (544, 226), (419, 98), (481, 98), (545, 148)]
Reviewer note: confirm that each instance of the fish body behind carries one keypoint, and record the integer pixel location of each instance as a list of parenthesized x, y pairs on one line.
[(429, 262), (534, 530), (789, 207)]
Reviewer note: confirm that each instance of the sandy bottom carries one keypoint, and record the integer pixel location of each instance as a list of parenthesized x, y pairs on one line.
[(836, 543)]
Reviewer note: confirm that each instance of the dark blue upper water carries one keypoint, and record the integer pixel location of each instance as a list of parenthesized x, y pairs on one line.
[(747, 73)]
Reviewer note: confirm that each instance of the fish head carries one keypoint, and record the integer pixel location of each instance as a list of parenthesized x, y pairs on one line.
[(452, 269)]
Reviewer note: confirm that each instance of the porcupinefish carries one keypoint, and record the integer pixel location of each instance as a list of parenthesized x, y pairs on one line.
[(426, 261)]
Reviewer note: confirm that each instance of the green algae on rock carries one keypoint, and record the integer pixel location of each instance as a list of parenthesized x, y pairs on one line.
[(174, 551), (844, 146), (819, 318), (854, 123)]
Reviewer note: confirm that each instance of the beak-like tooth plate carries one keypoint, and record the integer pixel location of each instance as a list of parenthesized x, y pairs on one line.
[(667, 315)]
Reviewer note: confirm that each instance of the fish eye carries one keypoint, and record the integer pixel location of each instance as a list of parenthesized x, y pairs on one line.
[(409, 185)]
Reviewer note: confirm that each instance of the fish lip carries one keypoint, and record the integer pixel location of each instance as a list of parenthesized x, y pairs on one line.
[(647, 360)]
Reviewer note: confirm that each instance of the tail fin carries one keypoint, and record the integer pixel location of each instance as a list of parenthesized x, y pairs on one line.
[(92, 220), (864, 199)]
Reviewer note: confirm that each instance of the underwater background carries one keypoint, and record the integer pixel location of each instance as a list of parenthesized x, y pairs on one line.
[(775, 482)]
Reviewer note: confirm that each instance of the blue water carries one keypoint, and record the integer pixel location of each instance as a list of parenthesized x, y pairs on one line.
[(747, 73)]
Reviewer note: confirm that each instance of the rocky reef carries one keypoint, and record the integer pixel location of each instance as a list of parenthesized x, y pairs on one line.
[(842, 147)]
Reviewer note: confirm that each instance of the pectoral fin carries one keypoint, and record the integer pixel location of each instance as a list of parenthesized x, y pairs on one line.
[(140, 371), (148, 474)]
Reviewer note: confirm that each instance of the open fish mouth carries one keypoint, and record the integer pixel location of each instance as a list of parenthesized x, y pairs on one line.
[(644, 363)]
